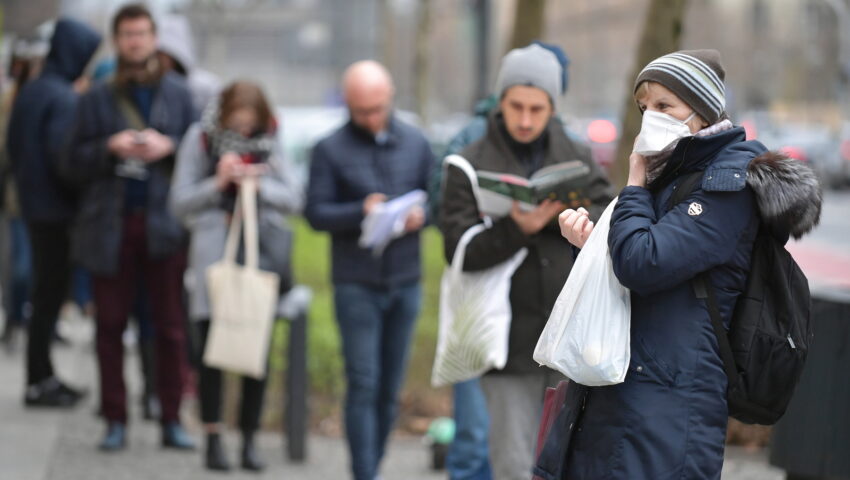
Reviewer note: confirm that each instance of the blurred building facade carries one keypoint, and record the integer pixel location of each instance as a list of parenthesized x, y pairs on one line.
[(787, 55)]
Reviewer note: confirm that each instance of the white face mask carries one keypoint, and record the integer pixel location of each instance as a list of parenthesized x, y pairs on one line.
[(660, 132)]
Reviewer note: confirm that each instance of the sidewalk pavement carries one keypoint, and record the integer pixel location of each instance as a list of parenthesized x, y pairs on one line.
[(48, 445)]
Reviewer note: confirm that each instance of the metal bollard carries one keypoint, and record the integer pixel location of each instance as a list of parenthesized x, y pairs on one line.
[(296, 306)]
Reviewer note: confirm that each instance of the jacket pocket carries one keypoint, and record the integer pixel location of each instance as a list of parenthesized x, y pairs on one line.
[(645, 366)]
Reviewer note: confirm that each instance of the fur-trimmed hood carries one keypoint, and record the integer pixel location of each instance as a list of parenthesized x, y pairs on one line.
[(788, 193)]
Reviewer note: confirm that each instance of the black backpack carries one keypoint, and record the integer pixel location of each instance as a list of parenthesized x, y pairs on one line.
[(770, 332)]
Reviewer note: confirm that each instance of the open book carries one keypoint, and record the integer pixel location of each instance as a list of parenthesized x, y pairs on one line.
[(563, 182)]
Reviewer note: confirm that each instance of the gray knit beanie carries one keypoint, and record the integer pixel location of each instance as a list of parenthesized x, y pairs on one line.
[(532, 66), (695, 76)]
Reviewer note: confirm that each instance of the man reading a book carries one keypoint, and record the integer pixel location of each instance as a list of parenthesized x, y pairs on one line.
[(522, 137)]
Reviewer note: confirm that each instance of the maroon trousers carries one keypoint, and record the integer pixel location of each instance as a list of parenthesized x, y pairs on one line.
[(113, 297)]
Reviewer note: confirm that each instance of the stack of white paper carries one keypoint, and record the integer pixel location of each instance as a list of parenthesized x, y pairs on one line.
[(386, 220)]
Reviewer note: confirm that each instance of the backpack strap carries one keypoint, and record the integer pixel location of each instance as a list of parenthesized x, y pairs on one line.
[(126, 108), (684, 188), (704, 289)]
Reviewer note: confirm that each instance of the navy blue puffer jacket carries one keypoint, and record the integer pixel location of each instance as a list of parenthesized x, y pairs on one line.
[(668, 419)]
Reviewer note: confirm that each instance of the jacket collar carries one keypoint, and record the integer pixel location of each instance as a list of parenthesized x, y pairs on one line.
[(393, 132), (694, 153), (558, 147)]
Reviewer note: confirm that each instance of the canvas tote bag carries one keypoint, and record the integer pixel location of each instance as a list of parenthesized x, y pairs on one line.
[(242, 297)]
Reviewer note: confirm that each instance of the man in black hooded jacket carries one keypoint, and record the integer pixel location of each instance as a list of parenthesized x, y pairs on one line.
[(41, 117)]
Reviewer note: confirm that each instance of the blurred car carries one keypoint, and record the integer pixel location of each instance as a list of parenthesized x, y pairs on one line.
[(812, 143), (842, 169), (601, 134)]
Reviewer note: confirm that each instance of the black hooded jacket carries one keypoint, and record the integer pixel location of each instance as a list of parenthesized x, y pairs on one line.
[(40, 122)]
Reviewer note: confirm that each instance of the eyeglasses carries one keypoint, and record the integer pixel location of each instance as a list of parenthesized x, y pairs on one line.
[(368, 112), (134, 33)]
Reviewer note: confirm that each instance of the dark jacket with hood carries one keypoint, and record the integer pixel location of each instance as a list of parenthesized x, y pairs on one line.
[(347, 166), (40, 121), (96, 236), (668, 419), (540, 278)]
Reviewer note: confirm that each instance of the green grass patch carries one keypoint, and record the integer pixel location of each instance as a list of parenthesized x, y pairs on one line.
[(311, 266)]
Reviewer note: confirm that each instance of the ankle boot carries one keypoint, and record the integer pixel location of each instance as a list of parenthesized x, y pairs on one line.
[(250, 457), (215, 456)]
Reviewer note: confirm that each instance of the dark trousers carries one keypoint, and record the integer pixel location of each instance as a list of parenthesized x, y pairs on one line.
[(17, 291), (50, 244), (253, 391), (114, 297)]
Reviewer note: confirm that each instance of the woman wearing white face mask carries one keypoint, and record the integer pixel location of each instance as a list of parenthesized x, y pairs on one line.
[(668, 419)]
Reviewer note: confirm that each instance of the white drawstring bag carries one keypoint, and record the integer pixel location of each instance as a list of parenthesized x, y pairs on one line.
[(588, 333), (475, 309)]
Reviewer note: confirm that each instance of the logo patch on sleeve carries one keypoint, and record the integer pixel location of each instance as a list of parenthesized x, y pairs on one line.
[(694, 209)]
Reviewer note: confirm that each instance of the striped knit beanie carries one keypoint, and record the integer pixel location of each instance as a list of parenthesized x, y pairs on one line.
[(695, 76)]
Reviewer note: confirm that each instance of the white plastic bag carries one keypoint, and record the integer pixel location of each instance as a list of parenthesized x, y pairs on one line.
[(475, 309), (588, 333), (475, 317)]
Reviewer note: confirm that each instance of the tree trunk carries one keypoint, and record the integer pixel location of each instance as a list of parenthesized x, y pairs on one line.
[(662, 34), (482, 49), (528, 22), (422, 61)]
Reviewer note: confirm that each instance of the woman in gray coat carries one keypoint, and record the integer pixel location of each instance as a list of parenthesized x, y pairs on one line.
[(236, 137)]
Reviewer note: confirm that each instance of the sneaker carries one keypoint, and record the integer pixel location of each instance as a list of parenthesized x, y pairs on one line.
[(115, 438), (175, 436), (50, 392)]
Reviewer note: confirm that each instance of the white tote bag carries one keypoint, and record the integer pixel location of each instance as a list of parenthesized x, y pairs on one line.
[(242, 297), (475, 310), (588, 332)]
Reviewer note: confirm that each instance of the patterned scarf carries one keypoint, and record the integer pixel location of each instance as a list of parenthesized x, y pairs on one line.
[(220, 140)]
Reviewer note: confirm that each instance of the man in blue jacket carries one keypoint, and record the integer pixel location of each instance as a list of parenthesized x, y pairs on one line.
[(373, 157), (121, 155), (41, 117)]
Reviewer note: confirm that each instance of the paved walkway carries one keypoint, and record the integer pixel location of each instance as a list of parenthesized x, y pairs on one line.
[(42, 445)]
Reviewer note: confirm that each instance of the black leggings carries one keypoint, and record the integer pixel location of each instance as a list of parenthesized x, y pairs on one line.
[(253, 391)]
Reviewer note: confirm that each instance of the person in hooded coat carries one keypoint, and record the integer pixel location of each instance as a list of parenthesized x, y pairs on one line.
[(41, 118), (176, 52), (668, 418)]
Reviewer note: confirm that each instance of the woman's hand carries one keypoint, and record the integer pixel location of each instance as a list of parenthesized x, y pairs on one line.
[(228, 170), (575, 226), (637, 170)]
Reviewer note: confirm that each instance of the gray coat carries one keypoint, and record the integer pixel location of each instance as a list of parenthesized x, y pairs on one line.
[(196, 201)]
